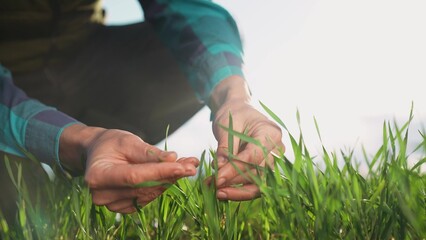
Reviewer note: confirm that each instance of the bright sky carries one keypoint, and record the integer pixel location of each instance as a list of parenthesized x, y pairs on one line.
[(351, 64)]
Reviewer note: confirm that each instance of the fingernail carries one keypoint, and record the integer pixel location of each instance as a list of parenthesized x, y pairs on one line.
[(221, 194), (195, 161), (220, 182), (165, 155)]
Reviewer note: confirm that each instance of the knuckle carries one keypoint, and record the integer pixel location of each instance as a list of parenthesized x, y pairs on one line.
[(223, 152), (162, 173), (236, 171), (91, 180), (124, 140), (133, 178), (150, 151), (128, 140), (148, 196), (140, 191), (276, 133), (152, 195)]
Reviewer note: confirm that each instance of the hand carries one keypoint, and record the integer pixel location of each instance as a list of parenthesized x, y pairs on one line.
[(246, 119), (118, 160)]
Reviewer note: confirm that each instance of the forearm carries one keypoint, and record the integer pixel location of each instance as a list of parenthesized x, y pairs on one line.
[(231, 89)]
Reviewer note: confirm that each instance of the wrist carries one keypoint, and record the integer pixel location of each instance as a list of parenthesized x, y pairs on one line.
[(231, 89), (73, 145)]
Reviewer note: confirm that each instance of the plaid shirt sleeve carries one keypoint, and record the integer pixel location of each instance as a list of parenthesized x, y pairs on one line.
[(202, 36), (28, 126)]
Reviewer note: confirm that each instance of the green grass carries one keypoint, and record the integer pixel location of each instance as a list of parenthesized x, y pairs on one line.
[(299, 200)]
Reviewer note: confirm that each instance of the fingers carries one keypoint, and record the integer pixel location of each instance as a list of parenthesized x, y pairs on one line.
[(122, 167), (235, 172), (141, 200), (246, 192), (129, 210), (245, 178), (125, 146), (128, 175), (126, 206), (245, 161), (108, 196), (222, 152), (189, 160), (141, 152), (120, 205), (255, 154), (267, 134), (241, 170), (230, 171)]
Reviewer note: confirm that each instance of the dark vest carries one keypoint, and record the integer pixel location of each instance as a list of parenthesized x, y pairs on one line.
[(32, 29)]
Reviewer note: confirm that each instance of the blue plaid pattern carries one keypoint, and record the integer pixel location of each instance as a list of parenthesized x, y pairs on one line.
[(201, 35)]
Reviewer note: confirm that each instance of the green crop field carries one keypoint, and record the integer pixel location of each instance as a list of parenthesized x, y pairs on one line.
[(300, 200)]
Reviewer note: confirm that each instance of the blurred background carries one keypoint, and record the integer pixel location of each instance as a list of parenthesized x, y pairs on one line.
[(349, 64)]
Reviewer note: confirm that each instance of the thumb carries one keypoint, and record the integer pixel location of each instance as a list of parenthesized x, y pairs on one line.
[(143, 152)]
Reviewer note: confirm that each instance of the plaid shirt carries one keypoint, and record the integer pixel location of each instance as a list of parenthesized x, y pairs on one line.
[(202, 36)]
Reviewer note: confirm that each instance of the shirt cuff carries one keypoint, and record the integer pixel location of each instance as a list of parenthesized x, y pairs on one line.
[(209, 70), (42, 135)]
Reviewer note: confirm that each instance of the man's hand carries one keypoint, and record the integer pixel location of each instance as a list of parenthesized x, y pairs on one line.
[(117, 161), (232, 97)]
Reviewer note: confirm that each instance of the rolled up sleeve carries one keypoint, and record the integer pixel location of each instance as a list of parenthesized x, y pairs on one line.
[(27, 125), (203, 37)]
